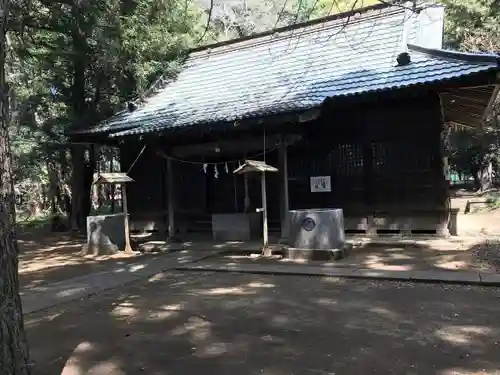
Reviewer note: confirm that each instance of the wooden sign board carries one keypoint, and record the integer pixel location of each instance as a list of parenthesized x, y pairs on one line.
[(321, 184)]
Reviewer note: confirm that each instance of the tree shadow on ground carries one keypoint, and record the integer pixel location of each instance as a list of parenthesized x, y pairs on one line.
[(429, 255), (49, 258), (212, 323)]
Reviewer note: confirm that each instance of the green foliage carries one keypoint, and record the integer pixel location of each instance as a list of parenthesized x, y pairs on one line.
[(493, 200), (470, 150), (76, 63), (473, 25)]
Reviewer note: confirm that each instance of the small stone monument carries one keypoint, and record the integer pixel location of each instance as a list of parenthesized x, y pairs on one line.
[(108, 234), (316, 234)]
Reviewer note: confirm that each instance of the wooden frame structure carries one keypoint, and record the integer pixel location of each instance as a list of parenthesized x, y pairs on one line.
[(119, 178), (254, 166)]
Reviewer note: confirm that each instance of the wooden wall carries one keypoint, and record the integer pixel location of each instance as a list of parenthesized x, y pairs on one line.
[(385, 157), (382, 158), (147, 195), (385, 162)]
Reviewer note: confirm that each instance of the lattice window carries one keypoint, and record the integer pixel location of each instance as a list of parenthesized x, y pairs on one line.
[(347, 159)]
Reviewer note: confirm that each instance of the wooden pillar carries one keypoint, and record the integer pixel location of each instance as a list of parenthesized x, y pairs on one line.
[(443, 153), (265, 233), (113, 187), (171, 198), (235, 188), (444, 227), (369, 185), (285, 204), (128, 248), (246, 202)]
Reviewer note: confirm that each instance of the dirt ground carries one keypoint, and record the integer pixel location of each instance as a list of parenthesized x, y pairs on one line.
[(481, 221), (438, 255), (213, 323), (46, 258), (54, 258)]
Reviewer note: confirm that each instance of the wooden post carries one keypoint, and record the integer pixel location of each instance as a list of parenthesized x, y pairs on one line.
[(264, 211), (246, 202), (247, 195), (128, 248), (285, 208), (235, 186), (112, 187), (171, 199)]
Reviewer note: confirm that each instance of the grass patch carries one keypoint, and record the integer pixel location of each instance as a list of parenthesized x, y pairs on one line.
[(493, 200), (35, 222)]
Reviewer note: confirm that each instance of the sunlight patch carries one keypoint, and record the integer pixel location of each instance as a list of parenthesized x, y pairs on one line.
[(123, 311), (382, 311), (70, 292), (462, 371), (326, 301), (225, 291), (106, 368), (175, 307), (197, 328), (73, 365), (157, 277), (213, 350), (162, 315), (258, 284), (166, 312), (461, 335)]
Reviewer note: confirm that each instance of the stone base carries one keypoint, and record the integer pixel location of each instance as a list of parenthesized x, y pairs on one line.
[(97, 250), (236, 227), (317, 255), (431, 222)]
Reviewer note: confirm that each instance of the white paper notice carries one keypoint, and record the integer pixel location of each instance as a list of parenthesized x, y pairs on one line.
[(321, 184)]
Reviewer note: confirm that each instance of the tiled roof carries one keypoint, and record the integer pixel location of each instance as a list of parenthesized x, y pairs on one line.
[(295, 70)]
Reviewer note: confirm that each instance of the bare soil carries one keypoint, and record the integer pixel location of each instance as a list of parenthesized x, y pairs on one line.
[(473, 255), (46, 258), (221, 323)]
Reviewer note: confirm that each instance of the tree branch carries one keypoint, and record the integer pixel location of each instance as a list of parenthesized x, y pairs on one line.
[(210, 11)]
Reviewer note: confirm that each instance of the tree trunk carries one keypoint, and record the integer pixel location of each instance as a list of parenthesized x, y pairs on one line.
[(13, 344), (83, 160), (77, 160), (485, 176)]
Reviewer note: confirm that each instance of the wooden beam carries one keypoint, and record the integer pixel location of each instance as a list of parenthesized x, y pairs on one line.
[(491, 103), (474, 93), (449, 96), (234, 146)]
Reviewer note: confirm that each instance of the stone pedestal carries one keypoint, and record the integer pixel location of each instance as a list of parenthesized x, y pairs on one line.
[(316, 229), (316, 234), (453, 224), (105, 234), (236, 227)]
